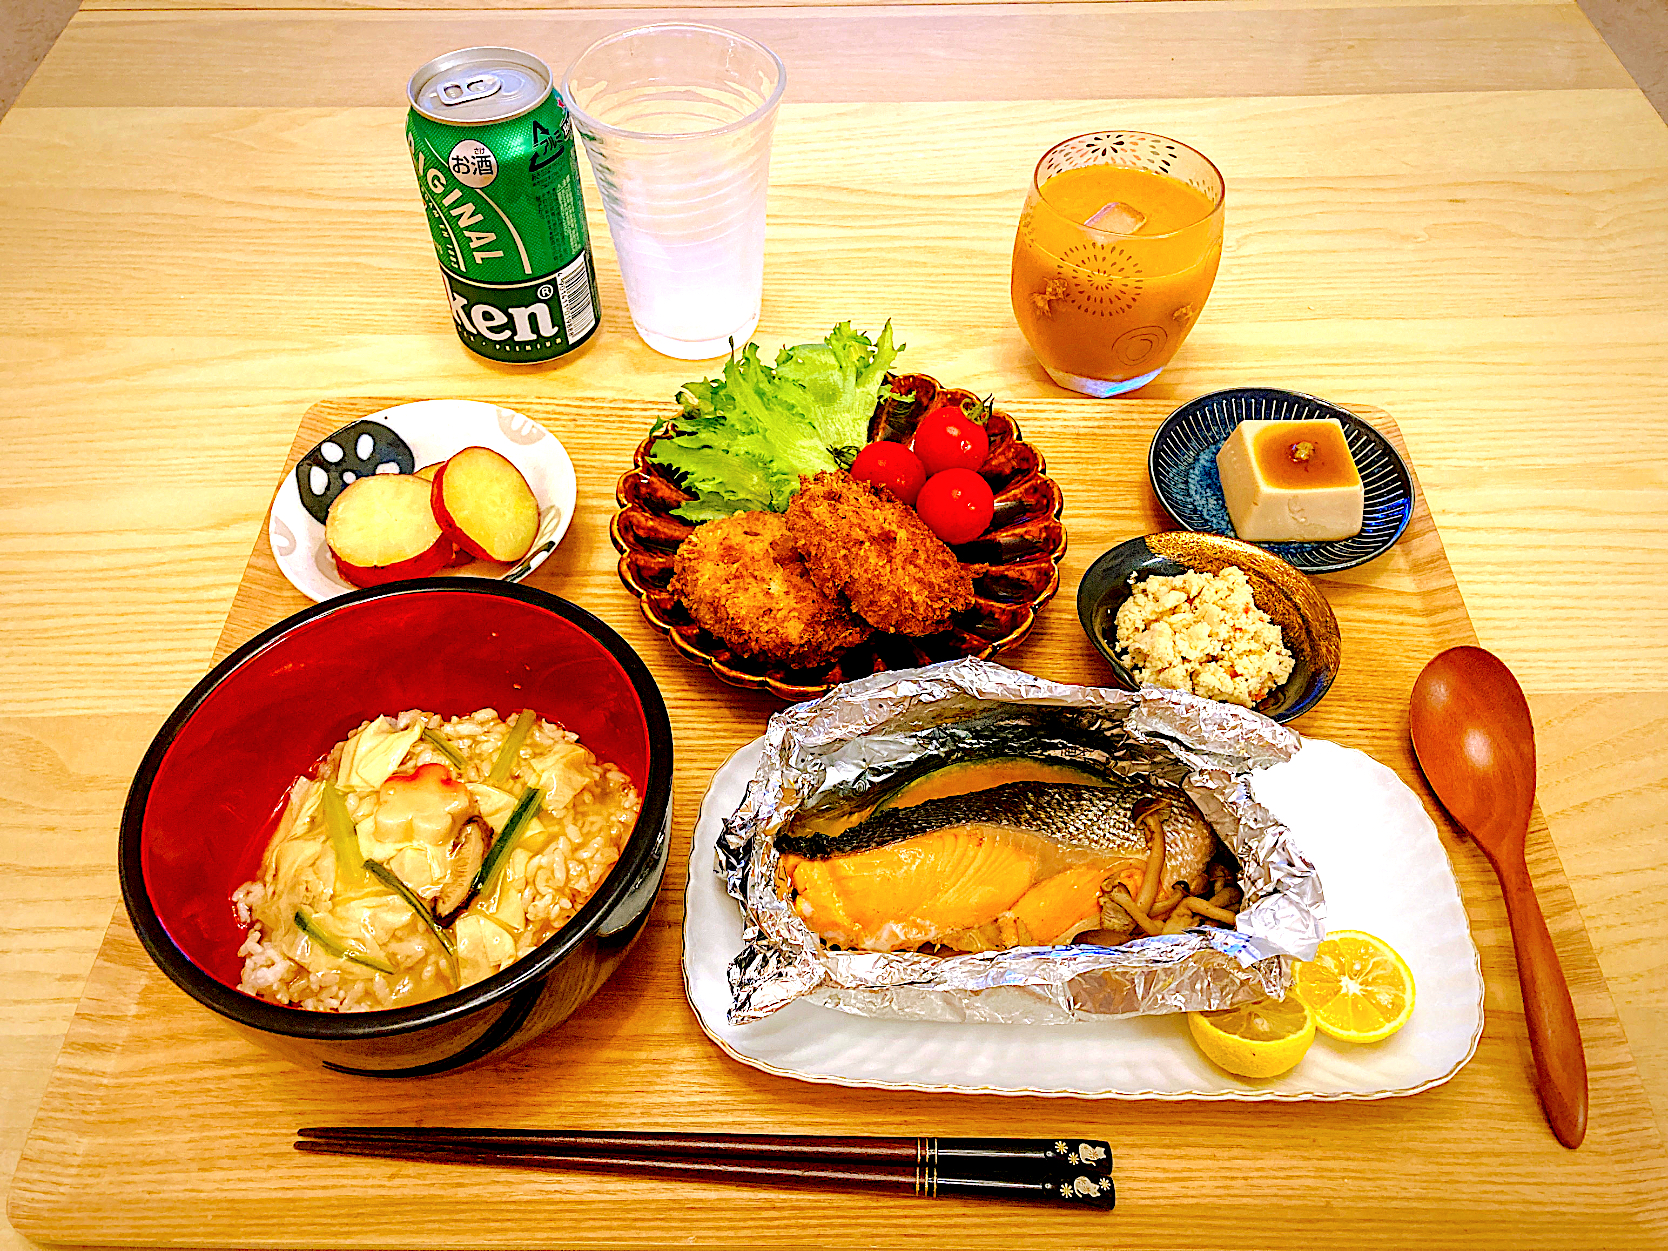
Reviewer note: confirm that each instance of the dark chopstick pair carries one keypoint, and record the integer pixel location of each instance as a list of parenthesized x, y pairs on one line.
[(1069, 1171)]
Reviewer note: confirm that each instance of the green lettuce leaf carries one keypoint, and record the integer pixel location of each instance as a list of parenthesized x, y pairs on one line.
[(841, 379), (767, 422), (722, 483), (745, 438)]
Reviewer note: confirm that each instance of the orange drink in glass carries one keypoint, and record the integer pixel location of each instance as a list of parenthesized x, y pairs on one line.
[(1116, 251)]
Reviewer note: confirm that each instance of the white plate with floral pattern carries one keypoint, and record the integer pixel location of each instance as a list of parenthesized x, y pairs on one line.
[(427, 431), (1384, 870)]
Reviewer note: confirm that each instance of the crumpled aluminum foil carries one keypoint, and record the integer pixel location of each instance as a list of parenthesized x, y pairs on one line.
[(834, 750)]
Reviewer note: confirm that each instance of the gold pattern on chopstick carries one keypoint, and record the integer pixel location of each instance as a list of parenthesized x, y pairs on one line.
[(926, 1168)]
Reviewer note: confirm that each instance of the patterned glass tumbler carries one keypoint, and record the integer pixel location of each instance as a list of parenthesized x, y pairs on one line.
[(1116, 251), (677, 120)]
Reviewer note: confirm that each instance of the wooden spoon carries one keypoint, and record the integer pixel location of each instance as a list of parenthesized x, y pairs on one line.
[(1476, 743)]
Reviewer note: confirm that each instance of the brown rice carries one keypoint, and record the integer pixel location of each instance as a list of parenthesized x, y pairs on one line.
[(580, 829)]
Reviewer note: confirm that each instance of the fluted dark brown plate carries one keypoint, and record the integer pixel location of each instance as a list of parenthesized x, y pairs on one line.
[(1015, 563)]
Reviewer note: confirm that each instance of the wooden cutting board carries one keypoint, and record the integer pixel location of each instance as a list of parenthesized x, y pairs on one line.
[(161, 1126)]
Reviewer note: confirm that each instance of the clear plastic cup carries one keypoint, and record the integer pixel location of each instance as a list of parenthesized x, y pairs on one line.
[(677, 119)]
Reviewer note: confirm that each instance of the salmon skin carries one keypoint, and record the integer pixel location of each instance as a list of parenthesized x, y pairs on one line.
[(1093, 817)]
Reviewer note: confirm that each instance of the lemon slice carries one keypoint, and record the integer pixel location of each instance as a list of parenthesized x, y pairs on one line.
[(1263, 1038), (1359, 989)]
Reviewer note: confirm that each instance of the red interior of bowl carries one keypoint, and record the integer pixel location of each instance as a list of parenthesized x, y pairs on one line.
[(220, 785)]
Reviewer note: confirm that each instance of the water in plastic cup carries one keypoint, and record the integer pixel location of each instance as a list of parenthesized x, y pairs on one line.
[(677, 119)]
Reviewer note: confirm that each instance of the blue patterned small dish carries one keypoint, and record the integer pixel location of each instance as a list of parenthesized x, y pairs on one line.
[(1182, 462)]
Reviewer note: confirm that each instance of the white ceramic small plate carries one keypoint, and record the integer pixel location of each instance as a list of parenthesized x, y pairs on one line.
[(434, 430), (1384, 871)]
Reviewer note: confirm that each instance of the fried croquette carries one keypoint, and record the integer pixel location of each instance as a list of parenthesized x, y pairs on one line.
[(742, 580), (870, 547)]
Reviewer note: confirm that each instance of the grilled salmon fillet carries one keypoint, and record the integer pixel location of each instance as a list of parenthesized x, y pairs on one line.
[(1020, 864)]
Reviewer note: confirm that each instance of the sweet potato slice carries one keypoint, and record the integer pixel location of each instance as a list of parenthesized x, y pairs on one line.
[(460, 555), (485, 506), (381, 529)]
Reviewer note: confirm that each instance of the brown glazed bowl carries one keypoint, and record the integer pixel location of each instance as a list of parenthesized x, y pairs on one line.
[(1290, 598), (1015, 563)]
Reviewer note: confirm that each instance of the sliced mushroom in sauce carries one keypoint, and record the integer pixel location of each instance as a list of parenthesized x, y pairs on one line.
[(468, 850)]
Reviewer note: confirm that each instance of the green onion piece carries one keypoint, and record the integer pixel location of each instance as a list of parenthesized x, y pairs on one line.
[(392, 881), (511, 748), (343, 837), (445, 749), (335, 946), (519, 819)]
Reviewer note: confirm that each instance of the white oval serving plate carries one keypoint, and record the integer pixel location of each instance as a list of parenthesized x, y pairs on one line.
[(1384, 869)]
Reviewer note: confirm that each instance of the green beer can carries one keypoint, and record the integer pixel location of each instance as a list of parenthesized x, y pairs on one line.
[(495, 162)]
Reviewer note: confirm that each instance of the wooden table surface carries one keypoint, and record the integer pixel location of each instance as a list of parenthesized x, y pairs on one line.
[(1452, 211)]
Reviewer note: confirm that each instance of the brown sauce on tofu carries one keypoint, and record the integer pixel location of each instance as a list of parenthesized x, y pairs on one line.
[(1307, 454)]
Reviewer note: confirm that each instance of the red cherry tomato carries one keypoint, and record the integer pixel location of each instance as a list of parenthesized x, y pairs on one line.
[(956, 504), (893, 466), (948, 438)]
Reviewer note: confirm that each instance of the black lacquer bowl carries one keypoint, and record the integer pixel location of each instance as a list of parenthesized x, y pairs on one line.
[(1015, 564), (202, 805), (1290, 599)]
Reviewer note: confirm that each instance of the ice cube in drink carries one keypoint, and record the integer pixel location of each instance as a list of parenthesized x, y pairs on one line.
[(1118, 216)]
